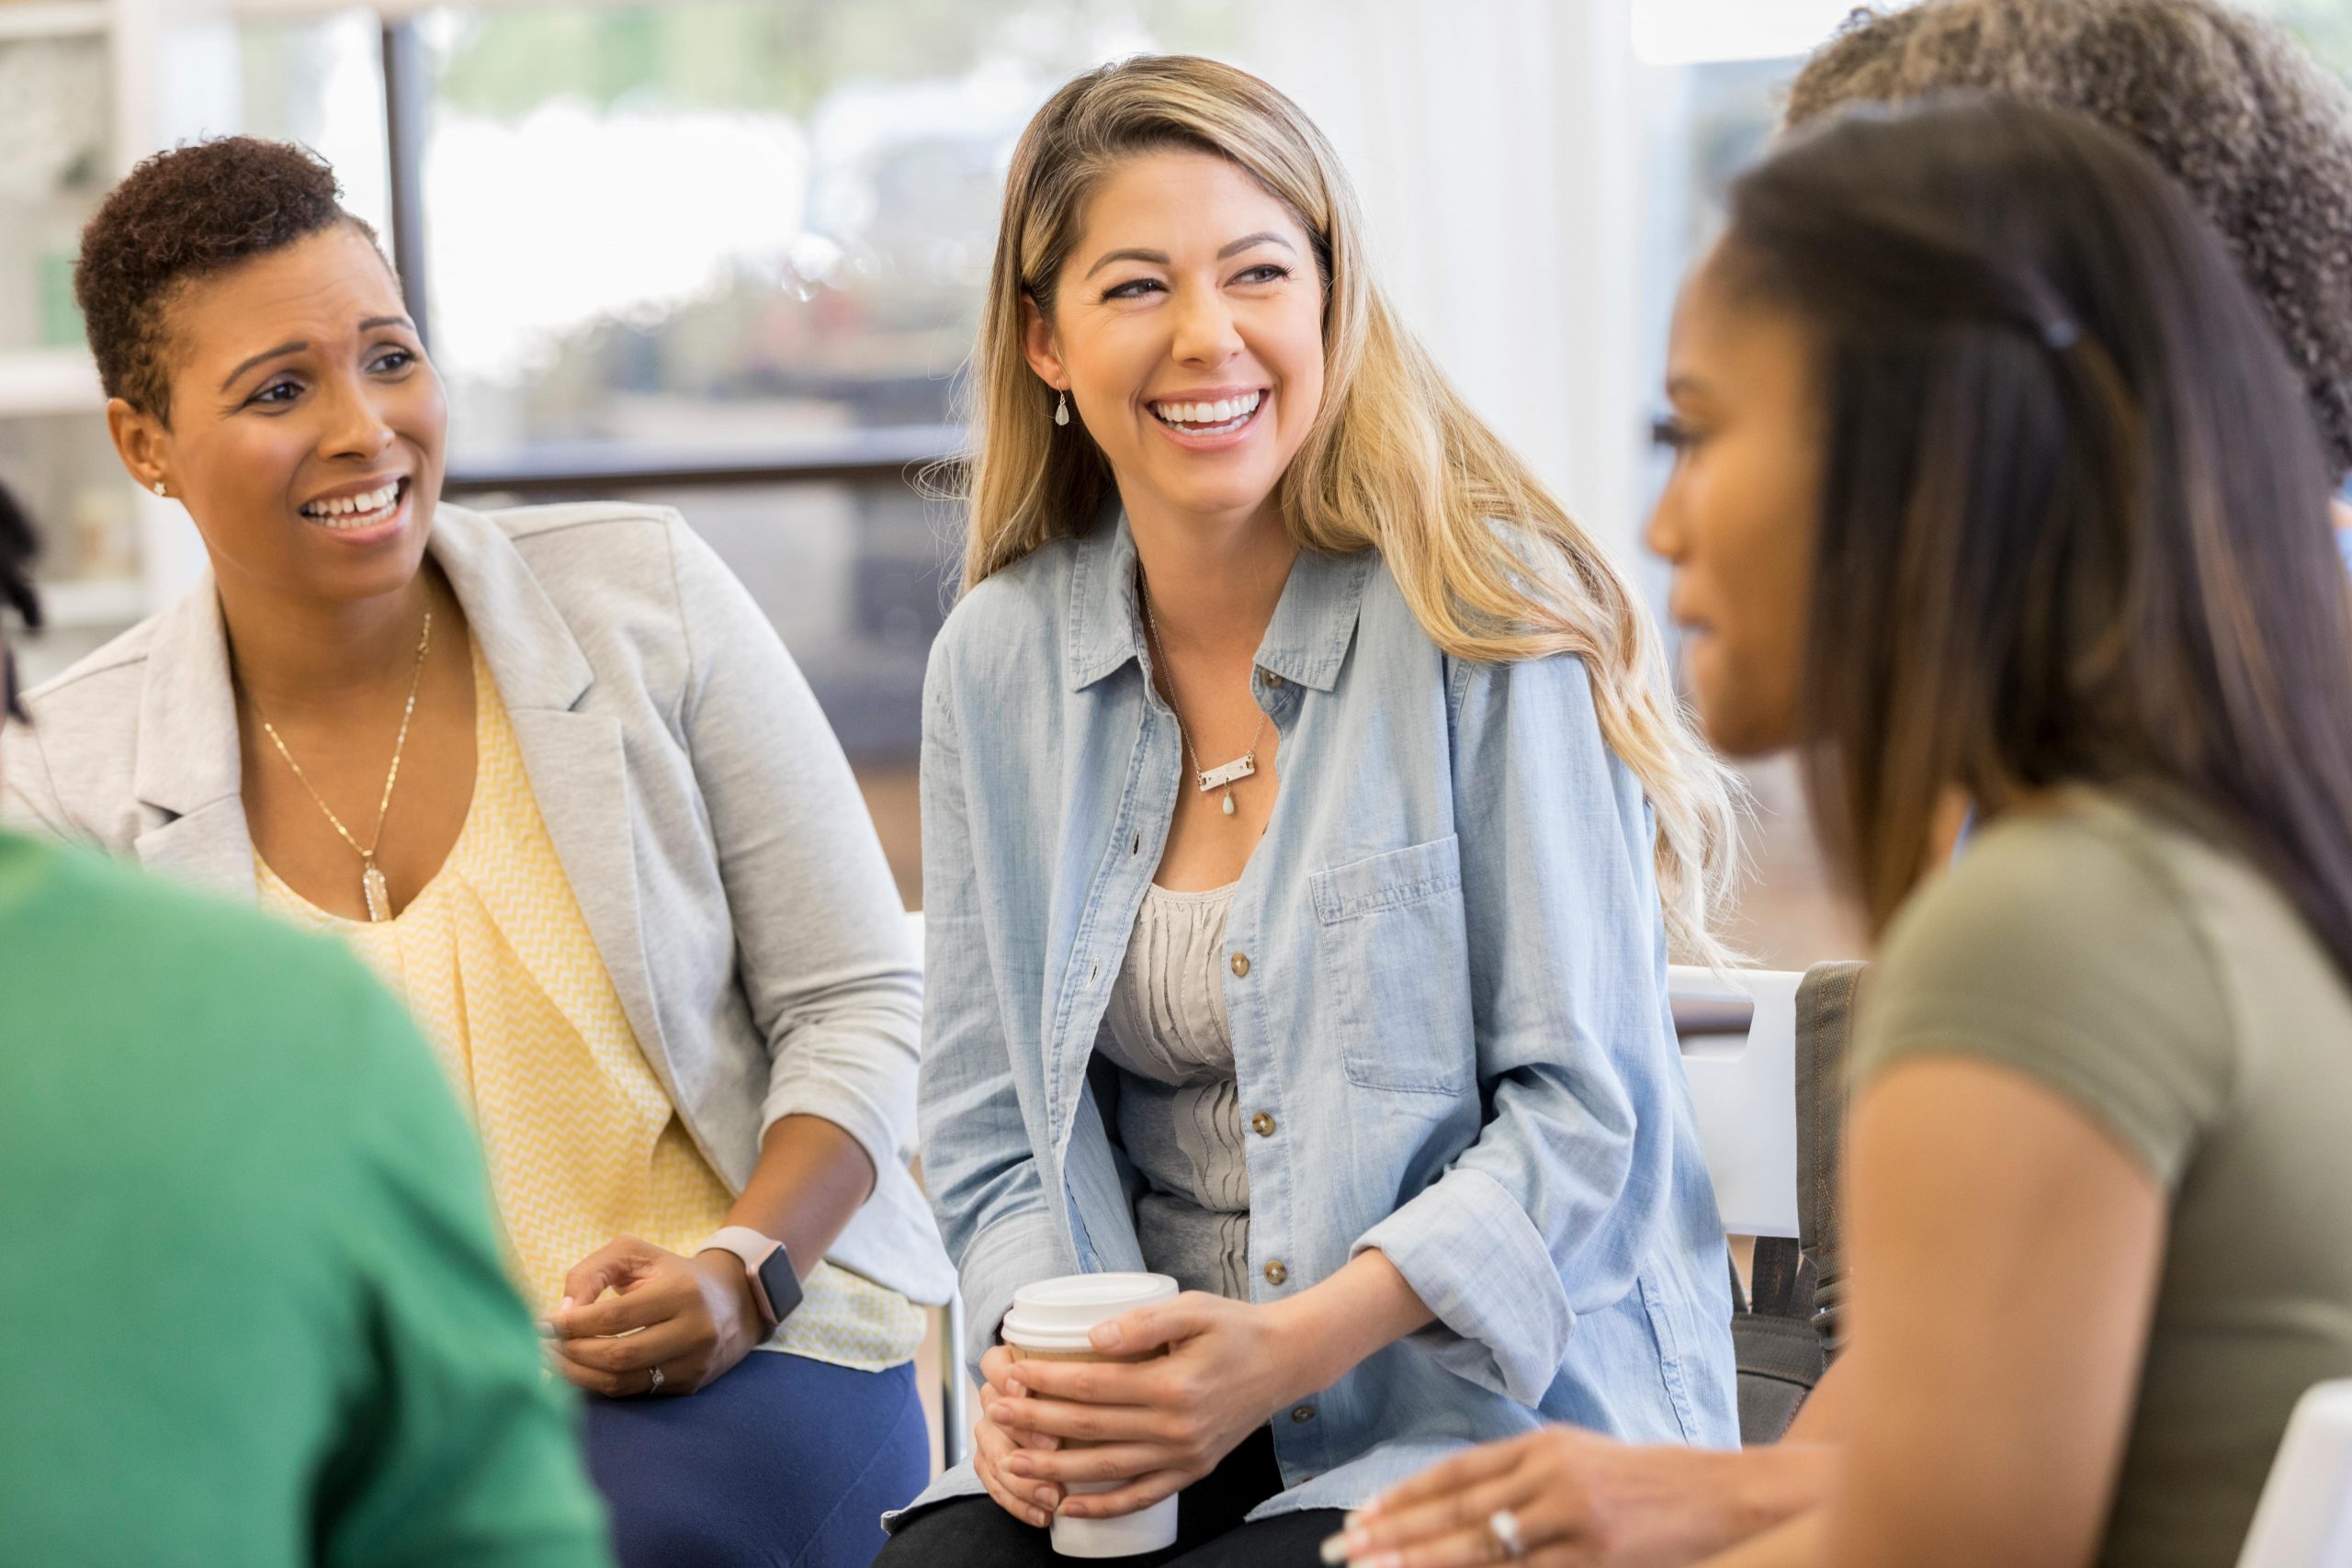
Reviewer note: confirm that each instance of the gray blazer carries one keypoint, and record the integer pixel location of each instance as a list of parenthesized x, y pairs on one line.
[(702, 809)]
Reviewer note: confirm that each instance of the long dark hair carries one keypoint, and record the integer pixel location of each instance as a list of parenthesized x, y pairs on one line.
[(2074, 521)]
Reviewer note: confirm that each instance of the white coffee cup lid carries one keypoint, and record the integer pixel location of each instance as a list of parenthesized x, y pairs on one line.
[(1055, 1315)]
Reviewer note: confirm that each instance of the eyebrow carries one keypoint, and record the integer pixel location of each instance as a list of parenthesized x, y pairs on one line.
[(371, 324), (1160, 258), (282, 350), (1262, 237)]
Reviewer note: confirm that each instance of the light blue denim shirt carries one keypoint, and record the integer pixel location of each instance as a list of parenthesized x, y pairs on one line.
[(1446, 981)]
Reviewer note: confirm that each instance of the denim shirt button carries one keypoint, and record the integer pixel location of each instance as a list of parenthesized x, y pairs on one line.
[(1303, 1415), (1275, 1273), (1263, 1124), (1241, 966), (1273, 681)]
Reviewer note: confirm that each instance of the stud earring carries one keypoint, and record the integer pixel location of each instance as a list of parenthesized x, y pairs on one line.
[(1061, 409), (160, 490)]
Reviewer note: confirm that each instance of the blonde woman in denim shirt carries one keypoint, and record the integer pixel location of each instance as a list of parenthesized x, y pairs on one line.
[(1366, 1038)]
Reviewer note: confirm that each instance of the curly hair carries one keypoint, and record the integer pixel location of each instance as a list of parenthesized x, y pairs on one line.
[(180, 217), (2255, 131)]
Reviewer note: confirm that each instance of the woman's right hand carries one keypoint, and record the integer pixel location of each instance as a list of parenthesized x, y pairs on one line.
[(1030, 1502)]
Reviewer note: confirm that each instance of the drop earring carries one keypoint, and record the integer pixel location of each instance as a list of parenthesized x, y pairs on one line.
[(1061, 409)]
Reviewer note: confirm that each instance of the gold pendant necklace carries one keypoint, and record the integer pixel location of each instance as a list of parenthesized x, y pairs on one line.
[(373, 888)]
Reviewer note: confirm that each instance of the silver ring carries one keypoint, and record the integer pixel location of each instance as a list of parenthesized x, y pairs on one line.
[(1503, 1524), (655, 1387)]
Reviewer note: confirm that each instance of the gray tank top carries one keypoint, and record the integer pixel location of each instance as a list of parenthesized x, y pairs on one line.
[(1180, 1109)]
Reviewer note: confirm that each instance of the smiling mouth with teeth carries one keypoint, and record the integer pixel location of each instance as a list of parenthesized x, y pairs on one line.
[(1219, 418), (355, 511)]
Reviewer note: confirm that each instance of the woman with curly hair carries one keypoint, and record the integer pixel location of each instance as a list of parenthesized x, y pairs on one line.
[(2256, 132), (552, 772)]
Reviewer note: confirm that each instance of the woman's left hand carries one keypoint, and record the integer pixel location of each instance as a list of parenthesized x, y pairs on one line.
[(1162, 1424), (691, 1318), (1579, 1500)]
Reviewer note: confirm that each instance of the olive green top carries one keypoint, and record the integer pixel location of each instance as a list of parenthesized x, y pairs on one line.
[(251, 1305), (2171, 991)]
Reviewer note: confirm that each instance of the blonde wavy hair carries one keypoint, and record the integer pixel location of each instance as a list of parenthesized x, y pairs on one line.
[(1492, 565)]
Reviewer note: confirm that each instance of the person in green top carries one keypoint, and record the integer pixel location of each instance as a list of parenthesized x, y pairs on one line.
[(1993, 492), (251, 1305)]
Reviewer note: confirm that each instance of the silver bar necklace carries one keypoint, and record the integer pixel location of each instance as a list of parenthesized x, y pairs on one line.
[(1225, 775)]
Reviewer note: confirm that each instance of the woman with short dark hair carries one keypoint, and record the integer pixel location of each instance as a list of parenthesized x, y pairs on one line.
[(552, 772)]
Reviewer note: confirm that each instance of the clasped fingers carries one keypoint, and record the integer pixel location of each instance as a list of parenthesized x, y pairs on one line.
[(1031, 1501), (1072, 1422), (1091, 1464)]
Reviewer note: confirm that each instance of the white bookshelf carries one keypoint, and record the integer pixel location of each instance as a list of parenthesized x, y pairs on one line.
[(53, 18), (38, 381), (52, 407)]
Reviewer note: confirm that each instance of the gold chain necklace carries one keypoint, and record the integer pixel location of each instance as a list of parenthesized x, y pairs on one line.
[(372, 887), (1225, 775)]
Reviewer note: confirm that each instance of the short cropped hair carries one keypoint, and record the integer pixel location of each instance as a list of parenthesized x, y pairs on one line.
[(180, 217), (2256, 131)]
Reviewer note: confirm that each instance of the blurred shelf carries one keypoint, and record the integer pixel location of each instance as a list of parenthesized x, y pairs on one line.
[(21, 20), (81, 604), (35, 381), (898, 453)]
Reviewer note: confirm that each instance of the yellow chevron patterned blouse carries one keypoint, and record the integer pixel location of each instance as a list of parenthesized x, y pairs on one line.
[(496, 962)]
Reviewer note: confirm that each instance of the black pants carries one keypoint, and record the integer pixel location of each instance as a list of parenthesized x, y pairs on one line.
[(976, 1532)]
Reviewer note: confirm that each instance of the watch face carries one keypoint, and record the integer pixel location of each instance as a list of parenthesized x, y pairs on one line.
[(781, 1283)]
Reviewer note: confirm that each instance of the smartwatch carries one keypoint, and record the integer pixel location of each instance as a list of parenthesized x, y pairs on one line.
[(775, 1289)]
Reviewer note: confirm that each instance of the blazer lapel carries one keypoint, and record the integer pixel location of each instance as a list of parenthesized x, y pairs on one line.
[(211, 847), (574, 759), (582, 796), (189, 772)]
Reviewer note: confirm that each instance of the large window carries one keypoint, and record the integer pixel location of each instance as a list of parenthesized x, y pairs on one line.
[(707, 241), (721, 255)]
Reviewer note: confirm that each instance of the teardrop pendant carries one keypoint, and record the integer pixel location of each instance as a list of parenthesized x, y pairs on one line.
[(1061, 409), (1228, 802), (378, 894)]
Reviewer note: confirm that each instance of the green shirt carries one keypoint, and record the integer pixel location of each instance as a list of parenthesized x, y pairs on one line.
[(251, 1306), (2171, 992)]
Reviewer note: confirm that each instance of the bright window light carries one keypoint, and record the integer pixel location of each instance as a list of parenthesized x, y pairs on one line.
[(1692, 32)]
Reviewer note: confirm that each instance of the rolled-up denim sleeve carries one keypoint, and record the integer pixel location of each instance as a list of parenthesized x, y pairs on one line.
[(980, 1166), (1552, 1210)]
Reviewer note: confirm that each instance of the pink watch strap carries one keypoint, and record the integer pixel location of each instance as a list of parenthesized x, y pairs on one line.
[(754, 1249)]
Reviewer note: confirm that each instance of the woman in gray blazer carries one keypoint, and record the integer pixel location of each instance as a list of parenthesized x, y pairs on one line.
[(552, 773)]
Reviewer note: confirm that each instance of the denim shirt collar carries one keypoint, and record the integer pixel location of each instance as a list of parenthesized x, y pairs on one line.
[(1305, 643)]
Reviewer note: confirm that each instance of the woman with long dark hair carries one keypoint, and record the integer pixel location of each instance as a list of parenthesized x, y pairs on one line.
[(1984, 453)]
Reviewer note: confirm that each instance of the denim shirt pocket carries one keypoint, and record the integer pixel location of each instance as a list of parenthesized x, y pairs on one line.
[(1395, 958)]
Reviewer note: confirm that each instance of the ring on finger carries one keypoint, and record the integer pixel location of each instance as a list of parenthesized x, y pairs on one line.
[(1503, 1524), (655, 1386)]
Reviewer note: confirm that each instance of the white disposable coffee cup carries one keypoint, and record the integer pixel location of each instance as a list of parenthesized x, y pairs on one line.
[(1050, 1321)]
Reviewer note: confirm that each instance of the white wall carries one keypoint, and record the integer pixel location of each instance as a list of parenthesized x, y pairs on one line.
[(1497, 146)]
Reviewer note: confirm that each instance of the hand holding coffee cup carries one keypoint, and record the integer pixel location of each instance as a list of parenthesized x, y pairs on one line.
[(1146, 1402), (1030, 1502), (1053, 1322)]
